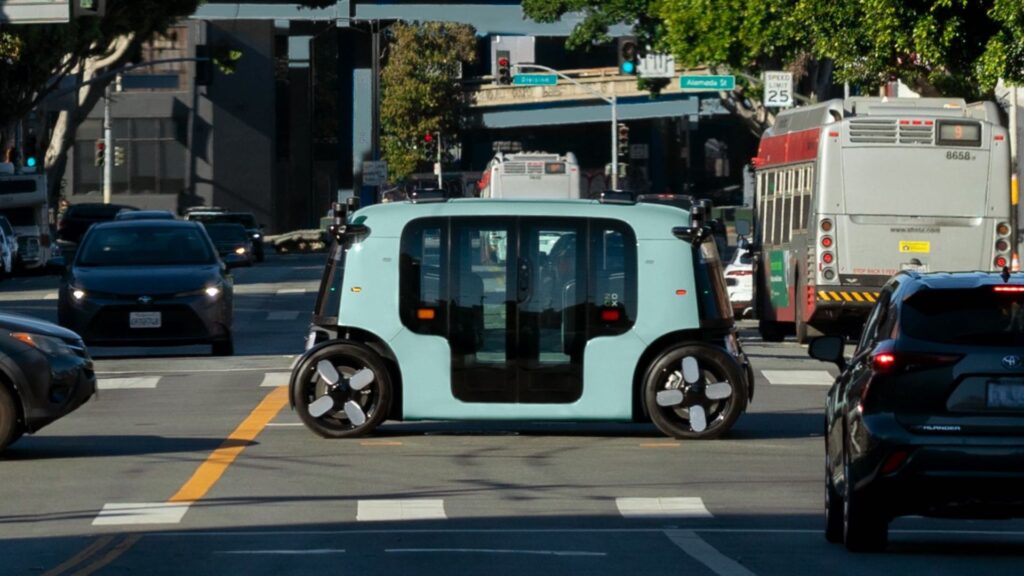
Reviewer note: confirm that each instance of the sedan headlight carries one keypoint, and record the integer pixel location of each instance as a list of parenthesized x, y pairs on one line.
[(46, 344), (240, 251), (214, 291), (78, 294)]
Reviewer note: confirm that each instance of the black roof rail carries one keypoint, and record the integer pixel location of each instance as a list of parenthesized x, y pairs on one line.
[(428, 195), (617, 197)]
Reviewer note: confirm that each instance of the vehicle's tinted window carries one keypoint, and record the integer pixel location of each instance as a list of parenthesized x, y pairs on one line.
[(145, 246), (978, 316), (712, 297), (421, 276), (225, 232), (21, 216), (613, 276), (328, 300)]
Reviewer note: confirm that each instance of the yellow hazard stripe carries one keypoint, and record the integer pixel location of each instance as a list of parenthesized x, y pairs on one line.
[(847, 297), (851, 296), (857, 296), (870, 296), (834, 296), (823, 295)]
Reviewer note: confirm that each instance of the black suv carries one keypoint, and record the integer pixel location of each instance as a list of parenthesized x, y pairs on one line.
[(927, 418), (78, 218), (246, 219)]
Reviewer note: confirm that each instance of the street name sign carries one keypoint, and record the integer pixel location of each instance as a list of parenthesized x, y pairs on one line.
[(35, 11), (535, 79), (657, 66), (778, 89), (706, 82)]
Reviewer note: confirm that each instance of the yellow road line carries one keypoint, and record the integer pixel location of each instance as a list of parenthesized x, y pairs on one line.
[(210, 471), (86, 552), (109, 557)]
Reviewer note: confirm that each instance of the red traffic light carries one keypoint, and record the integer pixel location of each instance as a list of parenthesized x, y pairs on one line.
[(428, 137), (503, 62), (101, 146)]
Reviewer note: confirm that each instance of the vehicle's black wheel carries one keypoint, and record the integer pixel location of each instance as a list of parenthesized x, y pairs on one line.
[(864, 528), (10, 428), (224, 347), (833, 510), (342, 391), (771, 331), (695, 391)]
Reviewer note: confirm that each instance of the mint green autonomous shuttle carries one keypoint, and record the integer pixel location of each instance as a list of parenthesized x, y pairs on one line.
[(574, 310)]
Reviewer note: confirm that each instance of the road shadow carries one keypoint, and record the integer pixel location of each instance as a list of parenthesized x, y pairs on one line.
[(47, 447)]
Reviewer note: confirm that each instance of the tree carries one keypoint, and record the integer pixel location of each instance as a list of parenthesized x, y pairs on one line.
[(951, 47), (34, 59), (420, 90)]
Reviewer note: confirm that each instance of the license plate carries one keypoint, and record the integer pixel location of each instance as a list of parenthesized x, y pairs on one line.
[(144, 319), (914, 267), (1003, 395)]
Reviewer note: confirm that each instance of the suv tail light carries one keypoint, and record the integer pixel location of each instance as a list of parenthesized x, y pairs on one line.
[(888, 363)]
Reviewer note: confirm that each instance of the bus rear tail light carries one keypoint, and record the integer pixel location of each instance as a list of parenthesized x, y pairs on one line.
[(826, 225), (1003, 229), (827, 258), (826, 241), (1002, 245), (829, 274), (1000, 262)]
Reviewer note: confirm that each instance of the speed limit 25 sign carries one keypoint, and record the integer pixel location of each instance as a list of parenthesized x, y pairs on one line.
[(778, 89)]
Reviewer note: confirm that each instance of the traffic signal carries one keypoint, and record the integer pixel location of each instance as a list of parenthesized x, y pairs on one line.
[(118, 155), (623, 141), (29, 147), (629, 54), (101, 153), (503, 76), (429, 145)]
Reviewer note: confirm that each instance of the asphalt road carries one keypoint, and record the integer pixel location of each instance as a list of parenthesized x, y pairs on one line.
[(192, 464)]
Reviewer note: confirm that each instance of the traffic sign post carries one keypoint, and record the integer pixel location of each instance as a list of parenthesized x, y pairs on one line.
[(778, 89), (534, 80), (706, 82)]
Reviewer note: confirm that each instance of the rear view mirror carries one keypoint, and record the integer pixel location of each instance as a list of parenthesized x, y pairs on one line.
[(828, 349)]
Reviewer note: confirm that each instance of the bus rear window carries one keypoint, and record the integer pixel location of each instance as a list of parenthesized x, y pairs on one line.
[(977, 316), (25, 216), (17, 186)]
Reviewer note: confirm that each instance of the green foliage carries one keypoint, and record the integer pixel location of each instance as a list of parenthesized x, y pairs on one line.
[(32, 57), (420, 90), (953, 47)]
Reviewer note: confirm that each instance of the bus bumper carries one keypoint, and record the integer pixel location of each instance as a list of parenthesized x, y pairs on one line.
[(836, 304)]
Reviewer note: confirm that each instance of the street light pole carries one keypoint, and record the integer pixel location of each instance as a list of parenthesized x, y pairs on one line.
[(612, 100)]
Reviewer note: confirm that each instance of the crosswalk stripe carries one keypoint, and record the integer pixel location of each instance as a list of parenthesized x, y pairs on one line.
[(291, 291), (798, 377), (674, 507), (402, 509), (140, 513), (50, 296), (275, 379), (127, 383)]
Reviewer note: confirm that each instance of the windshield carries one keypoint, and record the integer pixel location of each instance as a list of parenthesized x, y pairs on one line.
[(226, 232), (978, 316), (21, 216), (145, 246)]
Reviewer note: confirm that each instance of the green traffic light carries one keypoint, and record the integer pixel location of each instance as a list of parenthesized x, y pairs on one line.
[(30, 162), (628, 67)]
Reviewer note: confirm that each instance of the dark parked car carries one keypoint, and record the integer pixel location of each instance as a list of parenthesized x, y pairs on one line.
[(79, 217), (232, 242), (47, 373), (144, 215), (927, 418), (246, 219), (147, 283)]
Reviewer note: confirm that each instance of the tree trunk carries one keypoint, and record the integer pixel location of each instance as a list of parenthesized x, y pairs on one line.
[(66, 127)]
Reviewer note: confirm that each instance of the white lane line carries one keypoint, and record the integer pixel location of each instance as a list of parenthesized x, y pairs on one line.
[(798, 377), (688, 541), (127, 383), (685, 507), (315, 551), (283, 315), (405, 509), (50, 296), (281, 291), (140, 513), (492, 551), (275, 379)]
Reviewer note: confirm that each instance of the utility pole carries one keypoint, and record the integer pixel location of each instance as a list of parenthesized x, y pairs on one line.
[(437, 167), (108, 146)]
